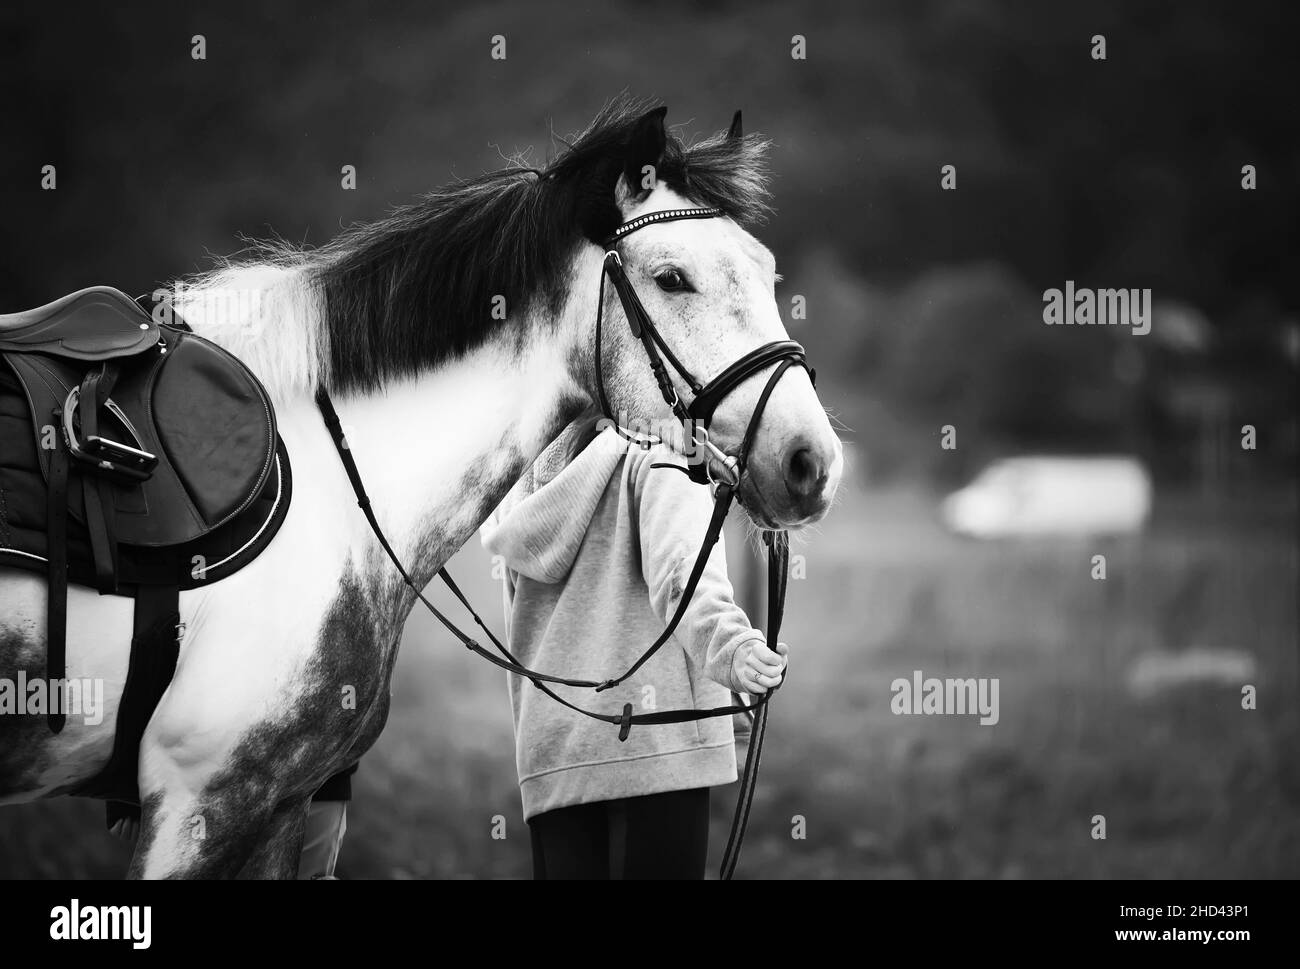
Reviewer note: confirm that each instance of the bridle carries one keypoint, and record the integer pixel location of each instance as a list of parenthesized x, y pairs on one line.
[(706, 397), (695, 418)]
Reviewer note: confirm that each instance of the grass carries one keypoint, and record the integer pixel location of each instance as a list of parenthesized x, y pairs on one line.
[(1189, 783)]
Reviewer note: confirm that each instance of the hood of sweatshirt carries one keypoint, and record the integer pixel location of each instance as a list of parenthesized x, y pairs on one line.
[(539, 527)]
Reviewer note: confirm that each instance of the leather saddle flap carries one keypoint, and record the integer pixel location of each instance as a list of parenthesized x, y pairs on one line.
[(215, 425)]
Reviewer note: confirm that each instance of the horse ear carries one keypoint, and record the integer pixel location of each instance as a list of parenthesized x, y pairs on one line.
[(596, 199), (645, 146), (735, 131)]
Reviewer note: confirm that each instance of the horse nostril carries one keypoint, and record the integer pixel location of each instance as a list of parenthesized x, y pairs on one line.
[(805, 474)]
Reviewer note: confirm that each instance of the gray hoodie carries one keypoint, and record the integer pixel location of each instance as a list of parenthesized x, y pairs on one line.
[(595, 560)]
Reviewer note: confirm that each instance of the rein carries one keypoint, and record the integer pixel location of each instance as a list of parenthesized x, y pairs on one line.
[(695, 418)]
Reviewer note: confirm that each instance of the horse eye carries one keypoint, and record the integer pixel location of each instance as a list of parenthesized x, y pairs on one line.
[(671, 281)]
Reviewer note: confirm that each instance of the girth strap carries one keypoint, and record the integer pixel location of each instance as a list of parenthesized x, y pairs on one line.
[(97, 496), (56, 558)]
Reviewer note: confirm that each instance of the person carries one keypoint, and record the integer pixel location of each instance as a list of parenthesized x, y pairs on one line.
[(596, 541), (326, 824)]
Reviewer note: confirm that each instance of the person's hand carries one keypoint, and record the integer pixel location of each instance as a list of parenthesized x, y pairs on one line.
[(128, 829), (756, 669)]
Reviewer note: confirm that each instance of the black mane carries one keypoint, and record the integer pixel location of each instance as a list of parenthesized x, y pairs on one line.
[(404, 293)]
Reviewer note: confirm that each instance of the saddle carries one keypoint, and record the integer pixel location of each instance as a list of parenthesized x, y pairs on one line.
[(138, 459)]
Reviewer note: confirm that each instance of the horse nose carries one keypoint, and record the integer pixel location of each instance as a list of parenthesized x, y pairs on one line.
[(806, 471)]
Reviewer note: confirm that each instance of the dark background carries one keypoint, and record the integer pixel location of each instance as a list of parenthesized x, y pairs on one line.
[(923, 309)]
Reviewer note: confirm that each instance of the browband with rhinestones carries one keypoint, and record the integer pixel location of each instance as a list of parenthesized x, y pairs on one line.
[(664, 215)]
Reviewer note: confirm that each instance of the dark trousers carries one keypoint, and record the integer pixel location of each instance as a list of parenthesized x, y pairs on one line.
[(661, 836)]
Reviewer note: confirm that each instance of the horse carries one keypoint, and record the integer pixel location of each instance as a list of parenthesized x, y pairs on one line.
[(456, 338)]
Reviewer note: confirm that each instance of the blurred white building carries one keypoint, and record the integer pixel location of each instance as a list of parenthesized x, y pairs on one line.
[(1044, 495)]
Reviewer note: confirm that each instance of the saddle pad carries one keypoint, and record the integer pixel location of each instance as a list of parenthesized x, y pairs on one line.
[(213, 555)]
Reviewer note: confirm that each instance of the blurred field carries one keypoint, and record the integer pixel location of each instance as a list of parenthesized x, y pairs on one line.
[(1190, 784)]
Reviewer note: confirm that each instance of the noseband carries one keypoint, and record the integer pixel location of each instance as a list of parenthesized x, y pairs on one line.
[(695, 418), (705, 397)]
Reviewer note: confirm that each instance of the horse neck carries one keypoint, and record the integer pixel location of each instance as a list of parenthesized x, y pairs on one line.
[(436, 451), (439, 451)]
